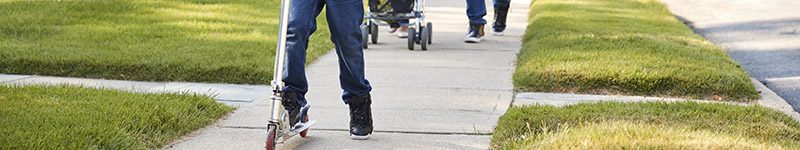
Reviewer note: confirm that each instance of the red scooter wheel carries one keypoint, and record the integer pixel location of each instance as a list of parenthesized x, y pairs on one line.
[(271, 135), (303, 134)]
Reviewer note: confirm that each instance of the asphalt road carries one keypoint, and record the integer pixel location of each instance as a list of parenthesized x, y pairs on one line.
[(763, 36)]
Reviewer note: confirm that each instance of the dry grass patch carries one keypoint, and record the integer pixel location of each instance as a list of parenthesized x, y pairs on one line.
[(645, 125)]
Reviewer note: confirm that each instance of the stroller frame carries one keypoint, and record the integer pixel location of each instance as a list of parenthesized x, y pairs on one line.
[(419, 31)]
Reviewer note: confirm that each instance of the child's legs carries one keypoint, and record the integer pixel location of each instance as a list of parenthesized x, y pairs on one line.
[(344, 20), (302, 23)]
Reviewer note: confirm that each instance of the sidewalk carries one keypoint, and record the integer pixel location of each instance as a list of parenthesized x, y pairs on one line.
[(447, 97), (230, 94), (435, 99)]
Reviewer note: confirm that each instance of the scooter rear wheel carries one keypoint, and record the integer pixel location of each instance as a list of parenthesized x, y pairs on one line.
[(305, 132)]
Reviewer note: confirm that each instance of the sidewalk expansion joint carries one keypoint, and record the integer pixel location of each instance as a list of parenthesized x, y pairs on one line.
[(452, 68), (482, 50), (15, 80), (449, 88), (377, 131), (233, 100)]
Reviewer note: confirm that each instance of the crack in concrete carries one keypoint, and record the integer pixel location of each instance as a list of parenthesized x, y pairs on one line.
[(234, 100), (15, 80), (378, 131)]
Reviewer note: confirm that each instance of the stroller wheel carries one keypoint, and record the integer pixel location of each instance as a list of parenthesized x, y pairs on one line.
[(364, 36), (411, 37), (423, 38), (429, 26), (373, 29), (417, 38)]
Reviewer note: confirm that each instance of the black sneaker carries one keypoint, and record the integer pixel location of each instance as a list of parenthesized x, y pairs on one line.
[(500, 15), (289, 100), (360, 117), (474, 34)]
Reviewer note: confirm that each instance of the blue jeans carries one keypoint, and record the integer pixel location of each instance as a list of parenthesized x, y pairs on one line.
[(344, 20), (402, 21), (476, 9)]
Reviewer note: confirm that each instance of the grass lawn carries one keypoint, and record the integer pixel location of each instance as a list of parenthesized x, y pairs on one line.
[(630, 47), (70, 117), (230, 41), (654, 125)]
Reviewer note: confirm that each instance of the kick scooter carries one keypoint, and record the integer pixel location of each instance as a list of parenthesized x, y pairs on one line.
[(278, 129)]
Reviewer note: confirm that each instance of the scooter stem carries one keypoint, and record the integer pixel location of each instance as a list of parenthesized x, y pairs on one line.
[(280, 58)]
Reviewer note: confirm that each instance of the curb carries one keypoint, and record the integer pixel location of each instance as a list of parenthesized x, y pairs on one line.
[(771, 100)]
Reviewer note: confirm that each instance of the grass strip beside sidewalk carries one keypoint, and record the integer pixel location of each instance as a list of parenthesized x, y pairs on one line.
[(229, 41), (70, 117), (640, 125), (631, 47)]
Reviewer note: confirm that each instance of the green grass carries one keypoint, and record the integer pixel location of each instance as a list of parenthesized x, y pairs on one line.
[(230, 41), (70, 117), (653, 125), (631, 47)]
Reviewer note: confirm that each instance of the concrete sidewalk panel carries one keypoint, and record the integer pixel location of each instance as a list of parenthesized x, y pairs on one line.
[(439, 70), (447, 120), (563, 99), (227, 92), (10, 77), (251, 139), (393, 58), (453, 110), (451, 40), (325, 140), (422, 78), (216, 138), (454, 87), (136, 86)]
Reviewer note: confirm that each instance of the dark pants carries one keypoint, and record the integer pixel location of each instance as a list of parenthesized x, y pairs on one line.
[(476, 9), (344, 18)]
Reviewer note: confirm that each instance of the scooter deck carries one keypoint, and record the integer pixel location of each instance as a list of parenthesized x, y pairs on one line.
[(300, 127)]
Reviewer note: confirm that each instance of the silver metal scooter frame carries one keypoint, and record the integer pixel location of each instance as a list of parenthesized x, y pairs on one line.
[(278, 127)]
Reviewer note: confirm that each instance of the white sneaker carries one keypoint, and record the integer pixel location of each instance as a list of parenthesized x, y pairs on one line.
[(472, 39), (359, 137), (402, 34), (497, 33)]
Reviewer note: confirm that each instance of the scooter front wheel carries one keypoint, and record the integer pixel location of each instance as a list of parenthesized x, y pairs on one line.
[(272, 135)]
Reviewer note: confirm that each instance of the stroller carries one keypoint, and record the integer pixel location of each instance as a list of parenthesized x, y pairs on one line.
[(420, 31)]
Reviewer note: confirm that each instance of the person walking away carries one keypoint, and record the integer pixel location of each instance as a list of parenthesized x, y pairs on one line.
[(476, 9)]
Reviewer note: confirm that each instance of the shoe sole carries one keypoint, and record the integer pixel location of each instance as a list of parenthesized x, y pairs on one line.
[(402, 35), (472, 40), (359, 137), (497, 33)]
